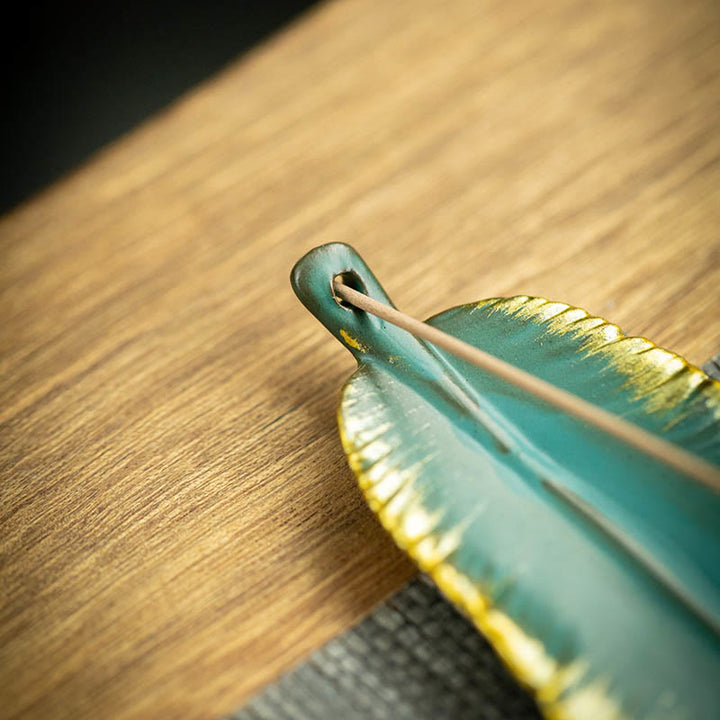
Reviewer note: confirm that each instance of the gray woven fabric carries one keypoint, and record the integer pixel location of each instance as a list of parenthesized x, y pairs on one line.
[(712, 367), (414, 658)]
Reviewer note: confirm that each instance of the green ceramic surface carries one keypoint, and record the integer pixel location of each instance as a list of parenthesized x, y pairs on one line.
[(594, 569)]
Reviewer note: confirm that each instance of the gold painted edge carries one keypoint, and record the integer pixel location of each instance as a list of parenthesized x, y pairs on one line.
[(390, 494), (657, 377)]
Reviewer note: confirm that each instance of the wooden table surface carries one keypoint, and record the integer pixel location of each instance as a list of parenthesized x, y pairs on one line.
[(178, 521)]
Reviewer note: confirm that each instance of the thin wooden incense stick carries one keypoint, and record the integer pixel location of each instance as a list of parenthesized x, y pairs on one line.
[(647, 442)]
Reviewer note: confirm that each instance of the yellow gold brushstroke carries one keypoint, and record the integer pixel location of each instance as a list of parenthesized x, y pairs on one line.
[(352, 342), (432, 550), (551, 310), (510, 305), (657, 377), (390, 492), (530, 307)]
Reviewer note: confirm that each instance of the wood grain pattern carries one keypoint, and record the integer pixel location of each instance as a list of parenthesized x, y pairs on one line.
[(178, 523)]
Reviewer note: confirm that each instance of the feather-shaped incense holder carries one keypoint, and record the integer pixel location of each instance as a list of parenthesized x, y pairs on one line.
[(592, 568)]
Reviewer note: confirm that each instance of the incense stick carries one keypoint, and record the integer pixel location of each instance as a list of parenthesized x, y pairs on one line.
[(652, 445)]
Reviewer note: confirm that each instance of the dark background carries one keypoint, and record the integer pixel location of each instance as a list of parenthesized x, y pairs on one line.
[(78, 75)]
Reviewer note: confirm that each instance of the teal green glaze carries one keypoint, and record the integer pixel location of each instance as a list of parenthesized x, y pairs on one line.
[(378, 341), (635, 611)]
